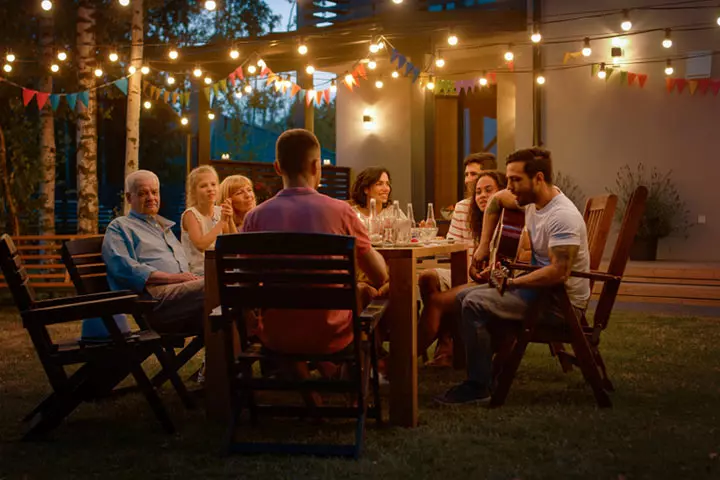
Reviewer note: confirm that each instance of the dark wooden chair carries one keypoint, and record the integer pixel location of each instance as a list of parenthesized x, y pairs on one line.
[(583, 337), (88, 272), (101, 365), (291, 271)]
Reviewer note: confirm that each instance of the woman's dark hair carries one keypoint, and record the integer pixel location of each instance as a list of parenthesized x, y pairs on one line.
[(475, 219), (366, 179)]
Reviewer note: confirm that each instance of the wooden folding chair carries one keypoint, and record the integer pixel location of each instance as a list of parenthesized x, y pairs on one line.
[(88, 272), (294, 271), (101, 365), (583, 337)]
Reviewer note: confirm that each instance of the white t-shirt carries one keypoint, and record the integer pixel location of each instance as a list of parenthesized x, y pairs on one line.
[(560, 223), (460, 224), (196, 258)]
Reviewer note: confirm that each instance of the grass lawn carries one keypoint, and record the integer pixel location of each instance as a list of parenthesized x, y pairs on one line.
[(664, 424)]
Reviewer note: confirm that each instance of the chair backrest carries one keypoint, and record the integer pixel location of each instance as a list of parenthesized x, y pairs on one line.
[(84, 262), (15, 274), (628, 229), (599, 214), (286, 271)]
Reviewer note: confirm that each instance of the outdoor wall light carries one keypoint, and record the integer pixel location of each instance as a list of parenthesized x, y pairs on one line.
[(368, 119)]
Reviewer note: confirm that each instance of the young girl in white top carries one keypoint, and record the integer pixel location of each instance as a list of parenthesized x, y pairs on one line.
[(203, 221), (237, 191)]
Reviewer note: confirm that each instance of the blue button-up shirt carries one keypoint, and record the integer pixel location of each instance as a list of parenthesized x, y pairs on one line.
[(137, 245)]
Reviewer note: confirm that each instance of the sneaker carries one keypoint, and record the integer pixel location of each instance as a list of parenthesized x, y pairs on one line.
[(464, 394)]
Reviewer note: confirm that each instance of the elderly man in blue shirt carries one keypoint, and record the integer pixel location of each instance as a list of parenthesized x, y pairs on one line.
[(143, 255)]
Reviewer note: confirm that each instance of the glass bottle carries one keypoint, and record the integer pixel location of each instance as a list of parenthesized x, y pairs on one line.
[(371, 217), (411, 215), (430, 221)]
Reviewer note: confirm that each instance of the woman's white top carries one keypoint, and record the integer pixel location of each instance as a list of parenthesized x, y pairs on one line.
[(196, 258)]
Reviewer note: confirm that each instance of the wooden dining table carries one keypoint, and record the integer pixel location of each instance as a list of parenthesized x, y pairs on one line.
[(402, 314)]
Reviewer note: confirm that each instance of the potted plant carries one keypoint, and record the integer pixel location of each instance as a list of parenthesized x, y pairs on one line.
[(665, 213)]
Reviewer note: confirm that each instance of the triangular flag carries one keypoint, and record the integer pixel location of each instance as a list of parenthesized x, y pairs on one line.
[(206, 91), (309, 97), (231, 78), (55, 102), (216, 88), (631, 78), (492, 77), (642, 78), (669, 84), (318, 98), (326, 92), (239, 73), (265, 71), (122, 85), (609, 72), (401, 61), (415, 74), (408, 68), (146, 87), (692, 86), (42, 99), (703, 85), (458, 86), (623, 78), (361, 71), (175, 96), (681, 83), (166, 96), (72, 100), (594, 69), (511, 65), (295, 89), (158, 93), (84, 98), (393, 55), (27, 96), (715, 86), (270, 79), (223, 85)]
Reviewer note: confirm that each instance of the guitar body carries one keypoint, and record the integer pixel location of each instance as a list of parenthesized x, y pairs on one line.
[(505, 243)]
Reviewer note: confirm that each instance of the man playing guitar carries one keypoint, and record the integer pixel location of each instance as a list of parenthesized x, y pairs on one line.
[(559, 245)]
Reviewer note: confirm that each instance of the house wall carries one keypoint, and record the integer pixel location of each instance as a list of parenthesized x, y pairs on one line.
[(593, 127)]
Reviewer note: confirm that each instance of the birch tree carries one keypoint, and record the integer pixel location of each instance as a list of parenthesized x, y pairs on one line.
[(132, 128), (47, 132)]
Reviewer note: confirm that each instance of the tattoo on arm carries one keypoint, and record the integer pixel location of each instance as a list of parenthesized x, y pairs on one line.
[(493, 207), (563, 257)]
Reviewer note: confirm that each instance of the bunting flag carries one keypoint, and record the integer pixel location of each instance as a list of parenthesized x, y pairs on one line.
[(54, 102), (231, 79), (122, 85), (681, 83), (594, 69), (511, 65), (146, 87), (415, 74), (166, 96), (309, 97), (401, 61), (223, 85), (84, 98), (71, 100), (42, 99), (394, 55), (408, 68), (294, 90), (326, 92), (623, 77), (270, 79), (239, 73), (216, 89), (571, 56), (609, 72), (27, 96), (669, 84), (265, 71), (715, 86), (703, 85), (206, 91), (318, 98), (631, 78), (642, 78), (492, 77), (692, 86), (175, 96), (361, 71)]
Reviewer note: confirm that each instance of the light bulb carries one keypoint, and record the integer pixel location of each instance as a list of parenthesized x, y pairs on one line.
[(509, 56), (54, 68), (208, 80), (184, 120), (197, 72), (124, 3), (718, 20), (210, 5), (397, 2), (145, 70), (261, 63), (374, 48), (98, 72), (381, 44), (669, 70), (626, 24), (602, 74), (171, 80), (395, 74), (302, 49), (616, 60), (452, 40), (431, 85), (132, 69), (440, 62), (252, 69), (46, 5), (211, 116), (7, 67), (536, 37), (379, 84), (349, 79), (540, 80), (372, 65), (248, 89), (333, 87), (62, 56), (173, 54), (234, 54), (238, 94), (10, 57), (667, 42), (483, 81), (113, 57), (309, 69), (586, 51), (147, 105)]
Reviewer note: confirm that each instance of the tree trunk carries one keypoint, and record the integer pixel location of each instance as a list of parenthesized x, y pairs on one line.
[(87, 180), (132, 137), (47, 133), (5, 178)]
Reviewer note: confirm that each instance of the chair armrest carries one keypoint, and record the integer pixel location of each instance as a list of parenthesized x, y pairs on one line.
[(596, 276), (54, 302), (373, 313), (81, 310), (217, 320)]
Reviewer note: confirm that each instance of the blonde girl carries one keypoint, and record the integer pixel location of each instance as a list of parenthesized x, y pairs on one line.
[(203, 221), (237, 192)]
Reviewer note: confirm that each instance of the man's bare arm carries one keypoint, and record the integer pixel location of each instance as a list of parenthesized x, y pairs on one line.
[(373, 264), (562, 258), (491, 217)]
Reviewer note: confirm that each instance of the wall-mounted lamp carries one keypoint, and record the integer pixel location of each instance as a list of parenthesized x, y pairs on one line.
[(368, 120), (327, 162)]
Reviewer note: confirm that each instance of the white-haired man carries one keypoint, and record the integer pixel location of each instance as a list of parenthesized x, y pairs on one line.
[(143, 255)]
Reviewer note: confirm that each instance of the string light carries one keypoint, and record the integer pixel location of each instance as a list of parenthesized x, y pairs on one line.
[(540, 79), (208, 80), (667, 42), (535, 37), (238, 94), (395, 74), (718, 20), (452, 40), (211, 116), (173, 54), (197, 72), (509, 55), (124, 3), (397, 2), (145, 70), (54, 68), (586, 51), (210, 5), (602, 74), (7, 67), (46, 5), (483, 81), (113, 57), (252, 69), (147, 104), (626, 24), (287, 83), (379, 84), (248, 88), (309, 69), (431, 84), (10, 57), (234, 54), (302, 49), (669, 70), (372, 64), (349, 79), (333, 86), (98, 72), (132, 69), (261, 63), (439, 61), (62, 56), (374, 48), (184, 120), (171, 80)]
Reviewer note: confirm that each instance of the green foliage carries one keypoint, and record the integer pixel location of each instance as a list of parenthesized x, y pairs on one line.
[(571, 189), (665, 212)]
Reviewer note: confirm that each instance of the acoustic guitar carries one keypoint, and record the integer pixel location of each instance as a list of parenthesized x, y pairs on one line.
[(504, 246)]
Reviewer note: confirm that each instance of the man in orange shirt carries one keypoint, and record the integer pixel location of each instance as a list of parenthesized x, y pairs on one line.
[(299, 207)]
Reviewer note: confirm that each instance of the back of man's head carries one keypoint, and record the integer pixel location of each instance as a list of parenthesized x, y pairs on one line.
[(295, 150), (535, 160), (486, 160)]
